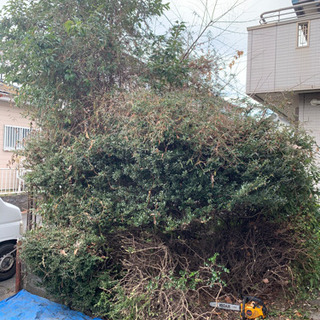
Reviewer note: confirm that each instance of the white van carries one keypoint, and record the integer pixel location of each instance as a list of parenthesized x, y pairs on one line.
[(10, 232)]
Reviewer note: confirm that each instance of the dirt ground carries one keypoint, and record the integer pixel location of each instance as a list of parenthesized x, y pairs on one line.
[(304, 311)]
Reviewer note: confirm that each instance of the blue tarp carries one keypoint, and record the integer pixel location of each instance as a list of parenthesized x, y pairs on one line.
[(27, 306)]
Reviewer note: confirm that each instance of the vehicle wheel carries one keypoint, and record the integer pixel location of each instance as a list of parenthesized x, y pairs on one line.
[(8, 264)]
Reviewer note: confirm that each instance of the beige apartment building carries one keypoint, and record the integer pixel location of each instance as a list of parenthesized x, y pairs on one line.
[(14, 128), (283, 66)]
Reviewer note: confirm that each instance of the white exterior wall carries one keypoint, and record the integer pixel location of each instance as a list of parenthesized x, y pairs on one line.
[(276, 64), (9, 115), (309, 115), (261, 61)]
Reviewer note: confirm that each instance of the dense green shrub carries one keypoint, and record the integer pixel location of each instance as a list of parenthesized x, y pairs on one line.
[(166, 160), (150, 186), (181, 165), (67, 263)]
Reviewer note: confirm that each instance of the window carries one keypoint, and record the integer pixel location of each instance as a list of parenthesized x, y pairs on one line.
[(303, 34), (14, 137)]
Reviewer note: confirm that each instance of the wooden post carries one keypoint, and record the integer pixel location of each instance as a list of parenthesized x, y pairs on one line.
[(30, 210), (18, 269)]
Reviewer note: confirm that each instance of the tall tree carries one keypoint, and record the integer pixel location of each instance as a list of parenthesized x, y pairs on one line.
[(66, 53)]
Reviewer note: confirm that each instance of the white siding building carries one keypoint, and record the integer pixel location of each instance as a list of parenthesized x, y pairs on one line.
[(284, 62)]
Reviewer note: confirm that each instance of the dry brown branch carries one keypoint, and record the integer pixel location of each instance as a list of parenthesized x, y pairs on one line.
[(153, 282)]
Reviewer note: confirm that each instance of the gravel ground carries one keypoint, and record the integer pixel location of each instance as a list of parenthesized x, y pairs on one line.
[(7, 288)]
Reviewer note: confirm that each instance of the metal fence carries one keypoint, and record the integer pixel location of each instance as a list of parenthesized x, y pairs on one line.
[(11, 181)]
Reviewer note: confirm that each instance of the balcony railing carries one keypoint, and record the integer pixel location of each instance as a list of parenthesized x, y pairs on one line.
[(11, 181), (309, 9)]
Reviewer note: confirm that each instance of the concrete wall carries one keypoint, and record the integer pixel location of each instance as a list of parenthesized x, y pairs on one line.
[(276, 64), (19, 200)]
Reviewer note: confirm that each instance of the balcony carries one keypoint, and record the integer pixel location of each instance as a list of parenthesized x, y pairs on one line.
[(300, 9)]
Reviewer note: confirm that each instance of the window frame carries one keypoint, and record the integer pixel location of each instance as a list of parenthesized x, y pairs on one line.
[(299, 43), (14, 136)]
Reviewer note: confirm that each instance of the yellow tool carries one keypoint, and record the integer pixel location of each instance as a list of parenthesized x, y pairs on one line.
[(253, 308), (250, 308)]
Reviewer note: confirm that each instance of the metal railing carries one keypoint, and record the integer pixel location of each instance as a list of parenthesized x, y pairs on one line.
[(308, 9), (11, 181)]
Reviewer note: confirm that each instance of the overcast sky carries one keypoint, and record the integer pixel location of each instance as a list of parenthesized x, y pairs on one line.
[(246, 13)]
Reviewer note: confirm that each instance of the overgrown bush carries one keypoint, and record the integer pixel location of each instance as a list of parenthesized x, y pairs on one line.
[(68, 263), (156, 195), (205, 176), (164, 161)]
